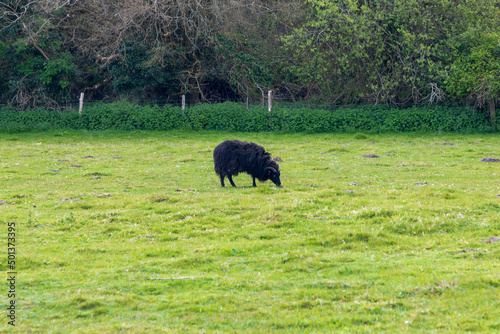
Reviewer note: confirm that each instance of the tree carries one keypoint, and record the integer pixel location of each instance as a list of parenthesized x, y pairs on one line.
[(474, 74), (342, 52), (39, 70), (474, 64), (382, 51), (139, 49)]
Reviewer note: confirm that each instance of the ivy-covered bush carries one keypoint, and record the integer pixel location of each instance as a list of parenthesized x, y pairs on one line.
[(236, 117)]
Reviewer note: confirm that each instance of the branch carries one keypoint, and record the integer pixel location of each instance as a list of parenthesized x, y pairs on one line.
[(34, 42), (106, 60), (99, 85)]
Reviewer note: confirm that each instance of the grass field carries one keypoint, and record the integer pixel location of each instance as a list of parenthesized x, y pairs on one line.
[(131, 232)]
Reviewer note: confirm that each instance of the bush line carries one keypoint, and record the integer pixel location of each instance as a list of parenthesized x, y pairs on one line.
[(231, 116)]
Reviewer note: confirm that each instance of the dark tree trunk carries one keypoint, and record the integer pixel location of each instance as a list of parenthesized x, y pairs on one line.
[(491, 105)]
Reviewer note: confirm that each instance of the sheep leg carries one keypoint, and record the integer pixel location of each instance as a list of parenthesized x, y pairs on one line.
[(254, 185), (222, 180), (230, 178)]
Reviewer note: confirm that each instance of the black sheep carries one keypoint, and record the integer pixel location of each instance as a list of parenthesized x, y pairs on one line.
[(233, 156)]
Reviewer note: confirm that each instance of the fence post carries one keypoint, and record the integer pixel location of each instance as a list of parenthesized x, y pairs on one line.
[(183, 103), (81, 103), (269, 100)]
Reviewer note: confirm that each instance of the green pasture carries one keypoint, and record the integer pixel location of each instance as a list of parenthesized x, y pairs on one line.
[(131, 232)]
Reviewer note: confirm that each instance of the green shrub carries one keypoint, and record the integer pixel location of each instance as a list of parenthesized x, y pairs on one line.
[(231, 116)]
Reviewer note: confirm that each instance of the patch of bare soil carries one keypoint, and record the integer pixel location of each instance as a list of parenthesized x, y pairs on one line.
[(490, 160), (491, 240)]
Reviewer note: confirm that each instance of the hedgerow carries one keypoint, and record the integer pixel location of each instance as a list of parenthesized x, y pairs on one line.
[(236, 117)]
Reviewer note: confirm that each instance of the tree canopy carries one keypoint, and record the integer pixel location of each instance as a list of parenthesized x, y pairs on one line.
[(396, 52)]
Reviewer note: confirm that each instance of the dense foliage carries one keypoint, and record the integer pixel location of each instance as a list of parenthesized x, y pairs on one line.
[(340, 52), (231, 116)]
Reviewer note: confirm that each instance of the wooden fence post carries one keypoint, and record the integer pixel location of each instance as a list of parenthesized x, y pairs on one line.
[(81, 103), (269, 100)]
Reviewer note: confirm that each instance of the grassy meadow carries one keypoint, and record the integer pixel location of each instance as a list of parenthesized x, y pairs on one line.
[(131, 232)]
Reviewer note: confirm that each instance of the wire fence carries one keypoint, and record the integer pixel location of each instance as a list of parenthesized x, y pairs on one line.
[(269, 102)]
